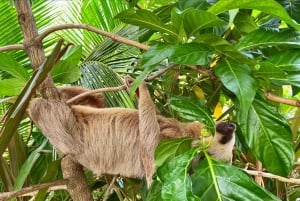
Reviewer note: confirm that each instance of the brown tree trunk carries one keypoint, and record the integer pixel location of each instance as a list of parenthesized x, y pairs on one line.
[(77, 185)]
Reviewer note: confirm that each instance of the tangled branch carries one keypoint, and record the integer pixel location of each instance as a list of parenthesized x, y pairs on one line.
[(272, 176)]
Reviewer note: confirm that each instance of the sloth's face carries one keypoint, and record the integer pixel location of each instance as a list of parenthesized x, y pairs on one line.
[(226, 129)]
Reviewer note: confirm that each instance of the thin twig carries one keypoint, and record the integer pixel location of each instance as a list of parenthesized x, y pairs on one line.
[(12, 47), (278, 99), (119, 88), (107, 192), (272, 176), (114, 37), (23, 191), (258, 178), (109, 89), (159, 73)]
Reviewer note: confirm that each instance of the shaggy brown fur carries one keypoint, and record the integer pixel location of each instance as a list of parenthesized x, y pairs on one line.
[(115, 141), (93, 100)]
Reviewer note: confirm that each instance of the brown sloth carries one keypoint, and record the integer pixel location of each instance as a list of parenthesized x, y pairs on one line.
[(117, 141)]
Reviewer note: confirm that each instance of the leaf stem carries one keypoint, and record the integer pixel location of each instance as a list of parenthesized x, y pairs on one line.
[(214, 178)]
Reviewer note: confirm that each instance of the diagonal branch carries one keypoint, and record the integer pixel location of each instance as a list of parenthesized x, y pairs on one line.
[(272, 176), (278, 99), (114, 37)]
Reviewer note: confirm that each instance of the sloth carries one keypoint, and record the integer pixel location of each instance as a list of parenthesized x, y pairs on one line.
[(93, 100), (117, 141)]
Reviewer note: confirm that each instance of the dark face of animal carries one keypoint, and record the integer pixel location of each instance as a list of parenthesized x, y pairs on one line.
[(226, 129)]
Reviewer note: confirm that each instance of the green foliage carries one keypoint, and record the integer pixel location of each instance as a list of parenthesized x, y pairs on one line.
[(251, 50), (232, 52)]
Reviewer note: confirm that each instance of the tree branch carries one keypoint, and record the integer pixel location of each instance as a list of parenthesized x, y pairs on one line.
[(278, 99), (23, 191), (272, 176), (121, 87), (12, 47), (72, 170), (101, 90), (114, 37)]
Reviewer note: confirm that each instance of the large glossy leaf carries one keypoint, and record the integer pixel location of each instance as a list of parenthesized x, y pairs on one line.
[(223, 47), (187, 54), (288, 60), (151, 58), (146, 19), (262, 37), (292, 7), (170, 148), (212, 178), (66, 70), (154, 193), (193, 110), (11, 87), (239, 80), (11, 66), (198, 4), (177, 184), (268, 6), (156, 54), (269, 71), (195, 20), (269, 136), (244, 22), (190, 54)]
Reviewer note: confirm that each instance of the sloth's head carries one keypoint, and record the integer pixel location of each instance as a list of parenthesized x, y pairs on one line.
[(226, 131), (223, 142)]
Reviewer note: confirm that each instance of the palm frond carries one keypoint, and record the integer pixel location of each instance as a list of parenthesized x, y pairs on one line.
[(98, 75)]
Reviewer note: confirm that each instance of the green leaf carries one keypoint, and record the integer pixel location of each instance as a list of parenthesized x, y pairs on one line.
[(269, 136), (223, 47), (156, 54), (245, 23), (265, 38), (269, 71), (238, 79), (27, 166), (51, 173), (176, 182), (191, 54), (11, 87), (270, 7), (146, 19), (293, 8), (154, 193), (170, 148), (198, 4), (177, 23), (65, 72), (98, 75), (292, 78), (195, 20), (73, 54), (288, 60), (151, 58), (231, 183), (193, 110), (11, 66)]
